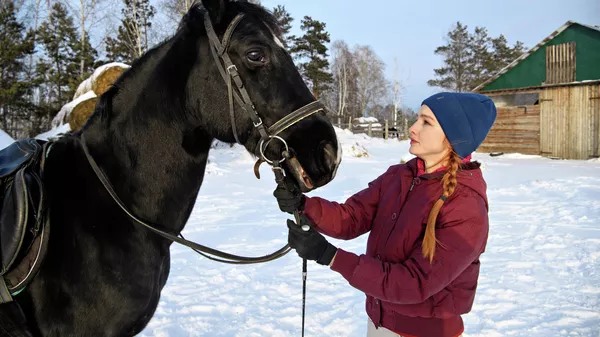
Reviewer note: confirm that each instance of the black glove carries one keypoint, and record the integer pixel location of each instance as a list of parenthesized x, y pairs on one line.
[(289, 197), (310, 245)]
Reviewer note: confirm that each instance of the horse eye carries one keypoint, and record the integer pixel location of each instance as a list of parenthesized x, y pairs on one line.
[(256, 56)]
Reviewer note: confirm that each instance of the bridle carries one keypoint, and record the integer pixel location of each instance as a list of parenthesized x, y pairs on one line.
[(267, 134), (230, 73)]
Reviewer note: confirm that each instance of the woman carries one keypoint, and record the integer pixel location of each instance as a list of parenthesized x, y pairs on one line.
[(427, 222)]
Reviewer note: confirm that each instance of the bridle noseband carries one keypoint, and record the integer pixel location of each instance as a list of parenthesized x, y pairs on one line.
[(230, 73)]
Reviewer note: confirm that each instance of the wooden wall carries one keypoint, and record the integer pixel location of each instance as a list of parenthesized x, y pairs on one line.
[(517, 129), (560, 63), (570, 118)]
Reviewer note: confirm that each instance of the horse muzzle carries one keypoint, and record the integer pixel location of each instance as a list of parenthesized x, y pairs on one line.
[(293, 166)]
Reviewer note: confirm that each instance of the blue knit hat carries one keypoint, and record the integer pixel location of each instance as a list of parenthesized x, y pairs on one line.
[(466, 118)]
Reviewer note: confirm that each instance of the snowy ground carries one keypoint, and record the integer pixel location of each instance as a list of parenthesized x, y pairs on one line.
[(540, 275)]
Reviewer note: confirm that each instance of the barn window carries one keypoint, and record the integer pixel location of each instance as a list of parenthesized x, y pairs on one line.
[(560, 63), (517, 99)]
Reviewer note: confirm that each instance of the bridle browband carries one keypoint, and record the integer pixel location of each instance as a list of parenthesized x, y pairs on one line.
[(267, 134)]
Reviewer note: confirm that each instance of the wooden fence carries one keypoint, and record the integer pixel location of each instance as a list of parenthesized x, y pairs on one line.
[(387, 130)]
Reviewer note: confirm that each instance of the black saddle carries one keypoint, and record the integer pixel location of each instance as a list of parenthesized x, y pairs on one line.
[(23, 221)]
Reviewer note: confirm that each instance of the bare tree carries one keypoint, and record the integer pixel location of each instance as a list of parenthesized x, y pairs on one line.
[(89, 13), (132, 35), (342, 57), (371, 82), (176, 9)]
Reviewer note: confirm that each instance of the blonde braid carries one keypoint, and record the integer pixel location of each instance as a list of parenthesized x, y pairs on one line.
[(448, 186)]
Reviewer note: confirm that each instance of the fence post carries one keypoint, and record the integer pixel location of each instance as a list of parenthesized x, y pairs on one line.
[(386, 135), (370, 133), (350, 123)]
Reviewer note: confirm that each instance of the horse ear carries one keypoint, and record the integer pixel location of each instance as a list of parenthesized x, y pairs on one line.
[(215, 8)]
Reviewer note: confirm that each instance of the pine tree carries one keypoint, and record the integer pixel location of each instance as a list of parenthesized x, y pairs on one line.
[(285, 19), (471, 59), (503, 54), (480, 63), (311, 49), (55, 73), (131, 41), (454, 75), (15, 46)]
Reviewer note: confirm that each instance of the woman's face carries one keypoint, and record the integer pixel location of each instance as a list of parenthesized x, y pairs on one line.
[(427, 139)]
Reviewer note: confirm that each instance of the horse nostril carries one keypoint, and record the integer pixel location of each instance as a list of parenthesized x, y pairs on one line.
[(329, 156)]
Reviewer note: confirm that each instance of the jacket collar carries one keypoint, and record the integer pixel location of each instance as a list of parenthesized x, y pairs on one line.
[(413, 165)]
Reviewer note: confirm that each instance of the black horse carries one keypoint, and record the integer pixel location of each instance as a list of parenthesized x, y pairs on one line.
[(150, 135)]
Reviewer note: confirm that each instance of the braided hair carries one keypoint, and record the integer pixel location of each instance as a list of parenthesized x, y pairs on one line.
[(448, 186)]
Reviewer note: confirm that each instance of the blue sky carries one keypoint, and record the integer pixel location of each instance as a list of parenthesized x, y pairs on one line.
[(411, 30)]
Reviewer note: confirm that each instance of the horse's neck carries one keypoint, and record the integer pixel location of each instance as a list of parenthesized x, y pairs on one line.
[(158, 178), (157, 174), (153, 158)]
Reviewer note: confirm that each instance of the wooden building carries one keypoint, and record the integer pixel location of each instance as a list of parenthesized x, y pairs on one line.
[(548, 99)]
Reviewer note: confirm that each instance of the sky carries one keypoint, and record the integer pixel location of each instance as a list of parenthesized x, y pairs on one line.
[(411, 30)]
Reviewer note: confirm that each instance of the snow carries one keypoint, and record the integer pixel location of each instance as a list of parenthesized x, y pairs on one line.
[(364, 122), (64, 128), (83, 92), (539, 276), (5, 139)]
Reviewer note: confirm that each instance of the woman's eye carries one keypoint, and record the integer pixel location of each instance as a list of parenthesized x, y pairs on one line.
[(256, 56)]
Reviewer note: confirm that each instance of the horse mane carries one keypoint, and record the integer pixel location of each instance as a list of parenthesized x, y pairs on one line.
[(192, 24)]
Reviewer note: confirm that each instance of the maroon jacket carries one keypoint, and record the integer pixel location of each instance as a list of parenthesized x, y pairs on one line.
[(405, 292)]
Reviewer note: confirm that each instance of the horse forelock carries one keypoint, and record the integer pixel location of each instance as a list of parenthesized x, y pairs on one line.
[(195, 16)]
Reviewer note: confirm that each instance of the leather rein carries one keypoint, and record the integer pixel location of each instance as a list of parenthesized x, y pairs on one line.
[(230, 74)]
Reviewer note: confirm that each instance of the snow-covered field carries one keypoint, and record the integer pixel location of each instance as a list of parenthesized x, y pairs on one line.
[(540, 275)]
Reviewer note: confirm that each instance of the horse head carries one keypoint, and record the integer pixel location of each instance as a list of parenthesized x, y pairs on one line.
[(246, 71)]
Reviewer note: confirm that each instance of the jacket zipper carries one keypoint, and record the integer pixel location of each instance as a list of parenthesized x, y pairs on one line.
[(412, 185), (415, 181)]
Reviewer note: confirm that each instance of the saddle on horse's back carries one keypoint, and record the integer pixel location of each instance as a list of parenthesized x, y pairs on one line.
[(23, 222)]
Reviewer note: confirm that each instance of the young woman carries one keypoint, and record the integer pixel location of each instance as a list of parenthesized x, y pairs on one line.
[(427, 222)]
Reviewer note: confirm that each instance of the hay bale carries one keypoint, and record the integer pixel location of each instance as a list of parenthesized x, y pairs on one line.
[(81, 112), (63, 115), (105, 80)]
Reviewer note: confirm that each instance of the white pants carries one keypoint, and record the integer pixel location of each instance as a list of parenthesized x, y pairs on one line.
[(381, 332)]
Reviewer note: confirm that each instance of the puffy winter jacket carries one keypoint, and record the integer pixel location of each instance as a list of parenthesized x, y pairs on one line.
[(405, 292)]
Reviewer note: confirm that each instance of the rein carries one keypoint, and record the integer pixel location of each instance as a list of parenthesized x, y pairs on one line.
[(201, 249)]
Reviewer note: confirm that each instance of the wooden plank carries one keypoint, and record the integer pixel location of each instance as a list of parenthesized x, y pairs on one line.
[(512, 133), (516, 130), (595, 121), (510, 147), (560, 63)]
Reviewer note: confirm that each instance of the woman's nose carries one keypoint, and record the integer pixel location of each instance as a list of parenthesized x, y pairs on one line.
[(412, 130)]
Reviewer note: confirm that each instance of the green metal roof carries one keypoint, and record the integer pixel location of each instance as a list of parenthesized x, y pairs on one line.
[(531, 51)]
